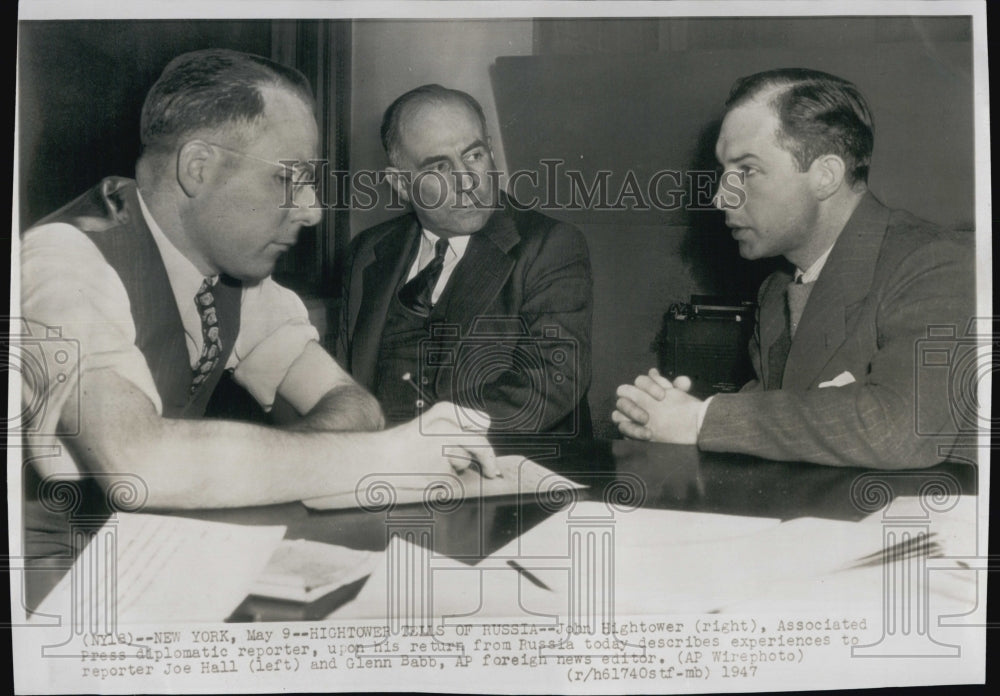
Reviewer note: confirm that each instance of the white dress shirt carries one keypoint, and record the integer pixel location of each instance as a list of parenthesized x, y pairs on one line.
[(66, 284), (456, 250), (812, 273)]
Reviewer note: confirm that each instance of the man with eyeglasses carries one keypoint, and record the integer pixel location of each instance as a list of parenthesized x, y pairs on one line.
[(471, 298), (164, 283)]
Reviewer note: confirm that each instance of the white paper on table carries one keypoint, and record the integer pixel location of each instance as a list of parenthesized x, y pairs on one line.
[(644, 543), (520, 476), (303, 571), (493, 588), (217, 562), (455, 590), (952, 588), (954, 524)]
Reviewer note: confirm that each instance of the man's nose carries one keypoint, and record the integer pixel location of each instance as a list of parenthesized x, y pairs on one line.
[(307, 211), (717, 199), (729, 194)]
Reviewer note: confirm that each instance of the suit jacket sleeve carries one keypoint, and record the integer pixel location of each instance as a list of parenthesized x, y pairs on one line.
[(557, 294), (343, 344), (877, 421)]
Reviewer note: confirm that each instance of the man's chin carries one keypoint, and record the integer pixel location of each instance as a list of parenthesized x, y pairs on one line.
[(748, 252), (250, 276)]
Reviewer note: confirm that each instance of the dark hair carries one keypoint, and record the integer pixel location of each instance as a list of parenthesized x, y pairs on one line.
[(819, 114), (425, 94), (212, 88)]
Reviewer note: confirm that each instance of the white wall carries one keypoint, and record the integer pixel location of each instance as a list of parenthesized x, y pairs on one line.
[(393, 56)]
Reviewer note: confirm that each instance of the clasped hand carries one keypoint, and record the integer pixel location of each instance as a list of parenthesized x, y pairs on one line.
[(654, 408)]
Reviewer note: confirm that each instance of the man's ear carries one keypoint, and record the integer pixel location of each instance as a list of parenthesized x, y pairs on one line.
[(400, 181), (826, 175), (195, 159)]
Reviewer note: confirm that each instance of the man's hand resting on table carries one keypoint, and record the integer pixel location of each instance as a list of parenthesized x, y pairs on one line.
[(656, 409), (436, 442)]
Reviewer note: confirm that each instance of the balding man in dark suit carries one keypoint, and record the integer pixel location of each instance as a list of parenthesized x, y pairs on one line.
[(471, 298)]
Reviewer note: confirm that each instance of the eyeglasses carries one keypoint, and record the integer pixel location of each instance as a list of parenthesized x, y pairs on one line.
[(302, 174)]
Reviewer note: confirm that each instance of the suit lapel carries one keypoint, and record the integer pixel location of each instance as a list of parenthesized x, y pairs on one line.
[(481, 273), (845, 280), (391, 256)]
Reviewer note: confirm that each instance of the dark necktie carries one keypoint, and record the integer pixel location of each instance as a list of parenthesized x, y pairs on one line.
[(417, 293), (211, 342)]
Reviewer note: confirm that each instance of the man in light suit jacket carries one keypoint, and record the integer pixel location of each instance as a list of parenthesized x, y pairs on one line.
[(471, 298), (845, 343)]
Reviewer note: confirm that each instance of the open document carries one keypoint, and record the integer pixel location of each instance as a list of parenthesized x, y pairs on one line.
[(129, 571)]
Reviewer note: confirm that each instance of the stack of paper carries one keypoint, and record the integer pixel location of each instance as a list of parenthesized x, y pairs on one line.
[(155, 568), (530, 577), (644, 561)]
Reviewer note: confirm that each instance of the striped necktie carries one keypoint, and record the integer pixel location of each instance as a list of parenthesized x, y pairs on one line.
[(417, 293)]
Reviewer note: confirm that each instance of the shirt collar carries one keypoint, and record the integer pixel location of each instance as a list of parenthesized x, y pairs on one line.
[(456, 244), (812, 273), (185, 278)]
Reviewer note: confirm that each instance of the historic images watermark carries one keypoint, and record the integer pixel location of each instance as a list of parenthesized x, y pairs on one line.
[(552, 186)]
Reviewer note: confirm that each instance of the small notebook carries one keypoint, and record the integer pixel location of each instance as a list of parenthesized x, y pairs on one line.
[(520, 476)]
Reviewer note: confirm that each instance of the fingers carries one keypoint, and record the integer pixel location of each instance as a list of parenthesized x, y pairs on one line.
[(682, 382), (634, 431), (486, 457), (632, 410), (443, 419), (630, 428), (655, 375), (460, 461), (651, 386)]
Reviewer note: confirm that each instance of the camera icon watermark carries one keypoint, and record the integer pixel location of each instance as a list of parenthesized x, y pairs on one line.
[(500, 353), (43, 360), (950, 363)]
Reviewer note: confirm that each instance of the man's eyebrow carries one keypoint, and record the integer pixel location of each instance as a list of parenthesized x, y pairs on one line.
[(744, 157), (473, 146), (433, 159)]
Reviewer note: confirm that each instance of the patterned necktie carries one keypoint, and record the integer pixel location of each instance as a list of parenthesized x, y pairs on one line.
[(211, 347), (417, 293)]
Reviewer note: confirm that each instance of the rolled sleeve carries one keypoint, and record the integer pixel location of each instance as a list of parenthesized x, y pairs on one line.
[(274, 330), (77, 317)]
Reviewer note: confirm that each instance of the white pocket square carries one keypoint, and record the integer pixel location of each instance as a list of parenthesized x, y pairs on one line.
[(844, 378)]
